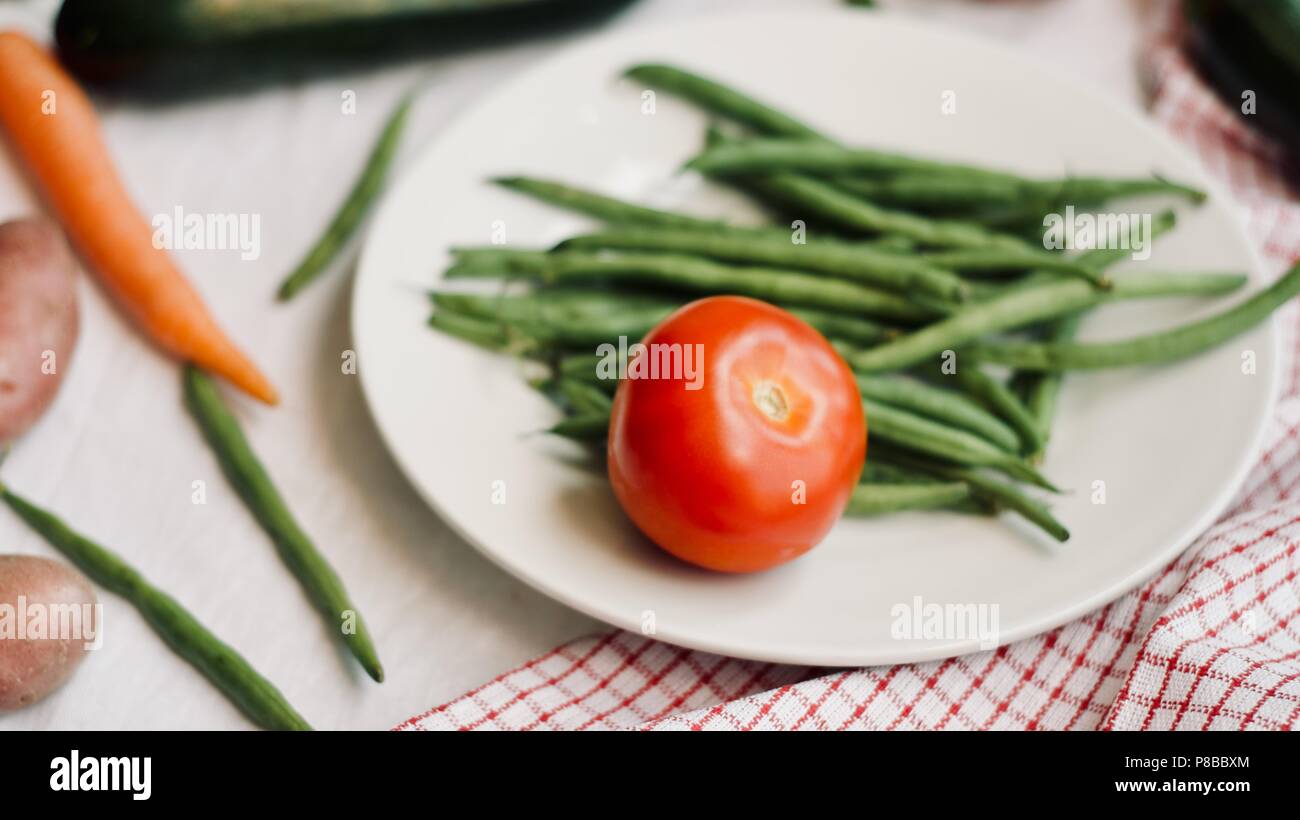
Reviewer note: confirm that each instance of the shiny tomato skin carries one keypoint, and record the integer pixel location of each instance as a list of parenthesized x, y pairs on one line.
[(712, 475)]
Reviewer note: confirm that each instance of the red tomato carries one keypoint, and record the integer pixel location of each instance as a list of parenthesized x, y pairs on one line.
[(754, 467)]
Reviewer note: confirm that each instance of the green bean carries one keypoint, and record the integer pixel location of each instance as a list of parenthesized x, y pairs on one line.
[(1147, 284), (764, 156), (354, 208), (1099, 190), (719, 99), (1039, 390), (1143, 283), (581, 317), (482, 332), (1011, 310), (561, 318), (1001, 259), (585, 398), (579, 399), (253, 694), (549, 386), (1165, 346), (603, 207), (1042, 389), (917, 433), (927, 191), (860, 263), (995, 492), (491, 263), (882, 499), (890, 244), (701, 276), (878, 471), (914, 180), (554, 305), (1026, 305), (623, 213), (1023, 218), (583, 367), (1027, 218), (584, 428), (251, 482), (1002, 401), (1028, 215), (984, 290), (946, 406), (1103, 257), (885, 422), (854, 329), (490, 260), (1001, 494), (825, 200), (1091, 192)]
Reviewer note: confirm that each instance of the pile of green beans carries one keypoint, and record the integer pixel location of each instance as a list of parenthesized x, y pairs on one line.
[(901, 262)]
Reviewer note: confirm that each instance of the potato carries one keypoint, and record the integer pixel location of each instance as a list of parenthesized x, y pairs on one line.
[(38, 320), (36, 659)]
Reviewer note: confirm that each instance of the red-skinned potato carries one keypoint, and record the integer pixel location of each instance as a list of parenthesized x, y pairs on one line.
[(38, 320), (37, 658)]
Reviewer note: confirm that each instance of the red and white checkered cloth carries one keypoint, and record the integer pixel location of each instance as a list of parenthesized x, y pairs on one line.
[(1212, 642)]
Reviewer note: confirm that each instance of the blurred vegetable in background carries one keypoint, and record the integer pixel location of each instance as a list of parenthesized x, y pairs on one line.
[(1249, 50), (197, 45)]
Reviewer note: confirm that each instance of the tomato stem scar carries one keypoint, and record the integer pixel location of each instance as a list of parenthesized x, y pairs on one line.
[(770, 399)]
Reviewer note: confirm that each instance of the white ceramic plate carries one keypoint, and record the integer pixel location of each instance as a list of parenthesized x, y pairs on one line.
[(1170, 444)]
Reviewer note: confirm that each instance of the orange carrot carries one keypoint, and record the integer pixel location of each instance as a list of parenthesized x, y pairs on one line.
[(52, 124)]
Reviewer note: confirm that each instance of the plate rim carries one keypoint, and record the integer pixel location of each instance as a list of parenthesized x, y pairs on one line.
[(930, 650)]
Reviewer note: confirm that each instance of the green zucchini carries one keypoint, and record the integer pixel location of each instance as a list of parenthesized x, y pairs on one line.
[(1252, 45), (189, 42)]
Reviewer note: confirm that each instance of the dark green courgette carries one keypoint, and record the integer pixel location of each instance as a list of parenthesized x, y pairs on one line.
[(1252, 45), (192, 44)]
